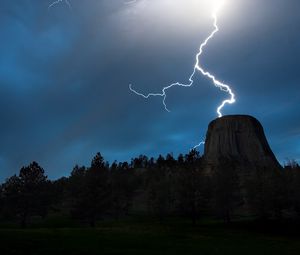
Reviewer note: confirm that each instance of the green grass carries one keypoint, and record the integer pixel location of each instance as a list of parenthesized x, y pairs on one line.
[(151, 237)]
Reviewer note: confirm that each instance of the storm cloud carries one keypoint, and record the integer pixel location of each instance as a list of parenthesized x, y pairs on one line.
[(64, 76)]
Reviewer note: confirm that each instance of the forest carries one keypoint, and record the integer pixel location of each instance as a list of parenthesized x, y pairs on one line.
[(158, 188)]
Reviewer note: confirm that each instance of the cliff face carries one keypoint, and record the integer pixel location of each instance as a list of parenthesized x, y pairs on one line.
[(240, 139)]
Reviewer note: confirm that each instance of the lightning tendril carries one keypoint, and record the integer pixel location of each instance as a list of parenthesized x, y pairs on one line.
[(130, 2), (58, 2)]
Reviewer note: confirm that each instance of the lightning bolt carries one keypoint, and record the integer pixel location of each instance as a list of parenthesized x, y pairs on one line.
[(198, 145), (197, 67), (70, 6), (130, 2), (58, 2)]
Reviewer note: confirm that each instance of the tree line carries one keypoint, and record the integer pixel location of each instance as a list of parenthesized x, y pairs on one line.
[(161, 187)]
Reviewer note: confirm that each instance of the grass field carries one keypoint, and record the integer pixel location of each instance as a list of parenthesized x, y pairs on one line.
[(152, 237)]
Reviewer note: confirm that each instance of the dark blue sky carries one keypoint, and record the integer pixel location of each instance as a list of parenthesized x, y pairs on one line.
[(64, 76)]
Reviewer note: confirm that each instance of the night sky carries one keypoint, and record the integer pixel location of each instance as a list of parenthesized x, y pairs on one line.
[(64, 76)]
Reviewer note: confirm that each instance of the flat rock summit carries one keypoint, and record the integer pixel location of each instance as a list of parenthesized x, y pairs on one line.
[(240, 139)]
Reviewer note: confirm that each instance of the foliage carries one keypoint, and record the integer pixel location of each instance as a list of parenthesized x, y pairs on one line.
[(160, 188)]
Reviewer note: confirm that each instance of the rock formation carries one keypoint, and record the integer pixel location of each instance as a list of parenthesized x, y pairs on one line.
[(239, 139)]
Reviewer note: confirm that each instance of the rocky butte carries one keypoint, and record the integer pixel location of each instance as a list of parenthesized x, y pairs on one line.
[(239, 139)]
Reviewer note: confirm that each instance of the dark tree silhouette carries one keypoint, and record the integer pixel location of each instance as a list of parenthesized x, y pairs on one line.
[(93, 198), (10, 196), (123, 184), (265, 193), (226, 190), (159, 193), (28, 194), (292, 186), (193, 190)]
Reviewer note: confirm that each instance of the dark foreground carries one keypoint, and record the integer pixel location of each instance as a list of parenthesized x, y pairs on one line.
[(152, 237)]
